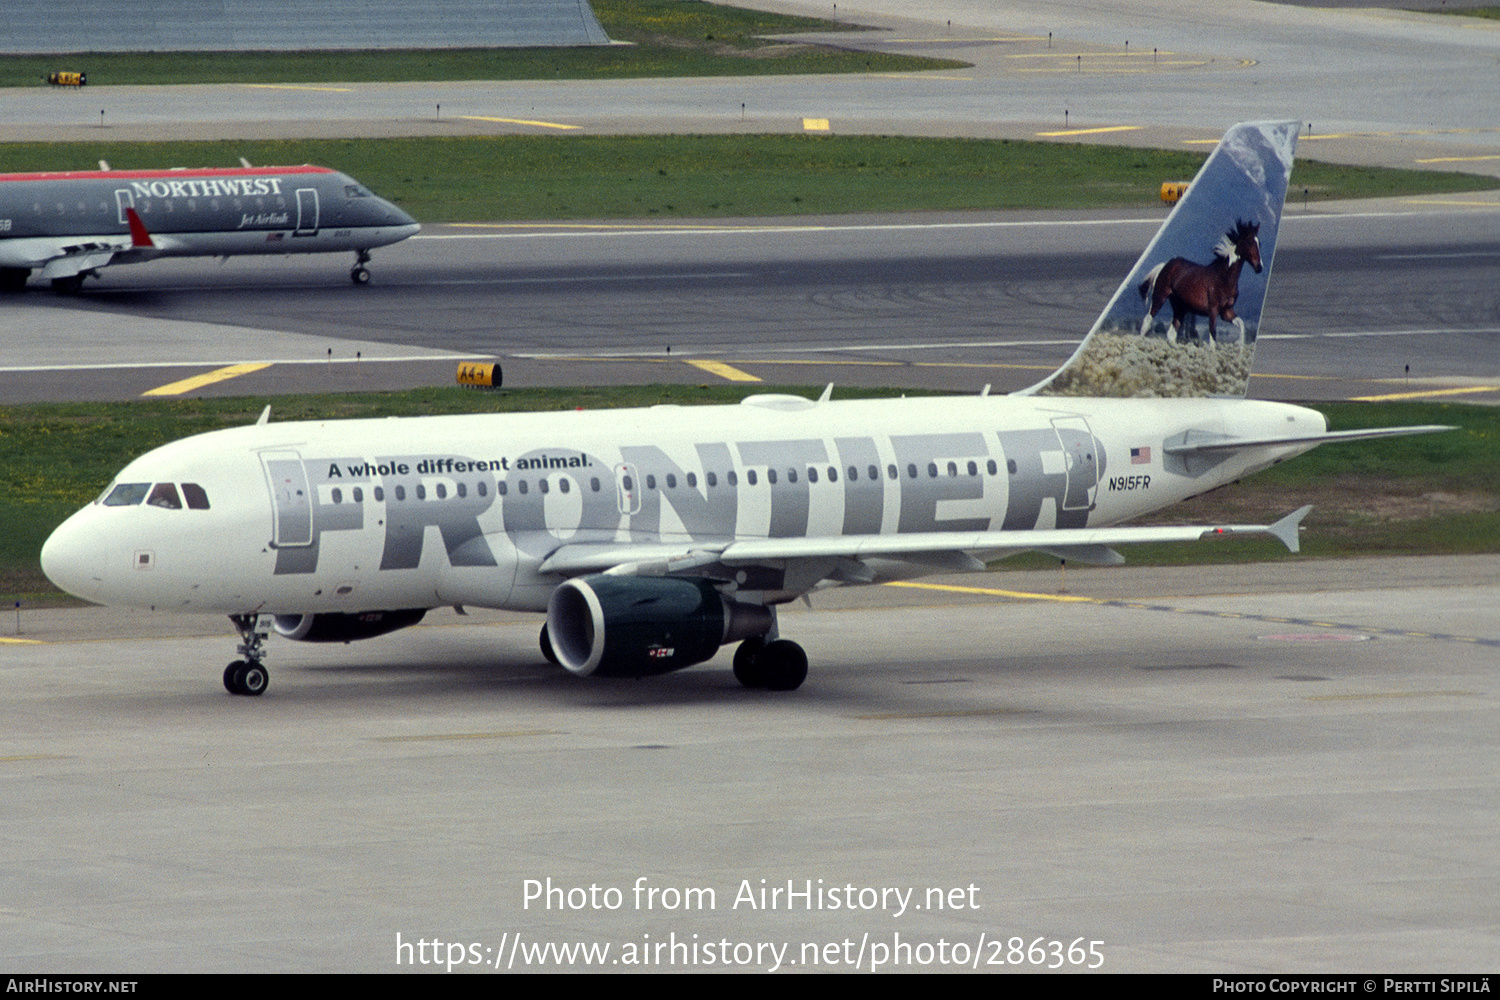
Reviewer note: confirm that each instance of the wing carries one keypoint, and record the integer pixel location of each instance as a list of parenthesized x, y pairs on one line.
[(805, 562), (66, 256)]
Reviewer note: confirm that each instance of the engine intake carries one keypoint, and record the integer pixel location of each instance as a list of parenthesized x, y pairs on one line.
[(623, 626), (341, 627)]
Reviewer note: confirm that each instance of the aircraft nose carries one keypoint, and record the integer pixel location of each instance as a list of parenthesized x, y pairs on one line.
[(400, 217), (70, 558)]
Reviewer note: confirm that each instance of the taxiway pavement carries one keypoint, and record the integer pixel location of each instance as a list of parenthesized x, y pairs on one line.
[(1279, 768)]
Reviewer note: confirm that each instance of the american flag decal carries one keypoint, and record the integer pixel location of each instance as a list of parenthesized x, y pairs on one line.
[(1140, 456)]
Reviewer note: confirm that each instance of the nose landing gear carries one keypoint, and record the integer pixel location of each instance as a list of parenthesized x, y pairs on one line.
[(359, 274), (249, 676)]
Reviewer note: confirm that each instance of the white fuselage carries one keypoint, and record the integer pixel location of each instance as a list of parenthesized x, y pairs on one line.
[(349, 516)]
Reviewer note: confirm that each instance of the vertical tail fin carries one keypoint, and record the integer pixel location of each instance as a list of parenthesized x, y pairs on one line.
[(1184, 322)]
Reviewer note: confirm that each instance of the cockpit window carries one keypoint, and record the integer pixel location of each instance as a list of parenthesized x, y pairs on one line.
[(355, 191), (195, 496), (126, 494), (165, 495)]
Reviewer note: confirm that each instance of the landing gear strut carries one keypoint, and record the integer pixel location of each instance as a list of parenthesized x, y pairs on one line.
[(359, 274), (249, 676)]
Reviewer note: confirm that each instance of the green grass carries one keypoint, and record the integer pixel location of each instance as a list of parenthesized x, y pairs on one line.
[(670, 38), (1492, 13), (511, 178), (1368, 495)]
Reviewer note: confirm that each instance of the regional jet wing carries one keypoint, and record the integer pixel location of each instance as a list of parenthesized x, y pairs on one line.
[(1084, 544), (60, 258)]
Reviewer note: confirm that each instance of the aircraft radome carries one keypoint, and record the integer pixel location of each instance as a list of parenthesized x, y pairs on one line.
[(69, 225), (652, 537)]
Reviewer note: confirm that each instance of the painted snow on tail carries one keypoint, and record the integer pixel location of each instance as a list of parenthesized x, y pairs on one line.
[(1184, 322)]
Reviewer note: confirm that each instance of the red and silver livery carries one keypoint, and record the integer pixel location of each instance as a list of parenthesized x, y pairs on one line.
[(67, 226)]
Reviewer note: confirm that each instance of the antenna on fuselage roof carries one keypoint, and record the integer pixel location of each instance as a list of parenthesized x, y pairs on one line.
[(827, 394), (103, 164), (265, 416), (245, 163)]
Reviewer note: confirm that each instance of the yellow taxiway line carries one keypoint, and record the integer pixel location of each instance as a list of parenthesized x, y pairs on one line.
[(1427, 392), (719, 368), (517, 121), (209, 378)]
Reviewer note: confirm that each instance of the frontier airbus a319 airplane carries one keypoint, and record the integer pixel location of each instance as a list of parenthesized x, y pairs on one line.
[(652, 537), (69, 225)]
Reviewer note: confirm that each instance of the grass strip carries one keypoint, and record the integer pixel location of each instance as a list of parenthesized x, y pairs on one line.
[(518, 178), (1433, 494)]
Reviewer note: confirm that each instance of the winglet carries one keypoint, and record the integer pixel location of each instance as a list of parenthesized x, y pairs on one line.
[(1286, 529), (140, 237)]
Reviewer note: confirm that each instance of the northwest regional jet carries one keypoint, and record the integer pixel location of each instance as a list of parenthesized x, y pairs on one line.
[(652, 537), (69, 225)]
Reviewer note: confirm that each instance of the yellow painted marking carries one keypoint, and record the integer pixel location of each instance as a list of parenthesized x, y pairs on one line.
[(719, 368), (815, 124), (295, 86), (1430, 392), (198, 381), (1091, 131), (1087, 55), (1457, 159), (518, 121), (21, 642), (501, 735), (1389, 694), (616, 226), (885, 716), (1098, 66), (991, 592), (1452, 201), (926, 41)]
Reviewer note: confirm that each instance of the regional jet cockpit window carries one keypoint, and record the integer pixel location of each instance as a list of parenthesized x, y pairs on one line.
[(126, 494), (355, 191)]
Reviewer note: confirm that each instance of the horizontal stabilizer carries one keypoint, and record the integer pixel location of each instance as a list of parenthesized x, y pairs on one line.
[(1219, 444)]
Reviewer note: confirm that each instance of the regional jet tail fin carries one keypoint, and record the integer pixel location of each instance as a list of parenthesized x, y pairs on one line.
[(1184, 322)]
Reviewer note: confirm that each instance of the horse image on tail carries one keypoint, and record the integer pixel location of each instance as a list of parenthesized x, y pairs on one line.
[(1203, 289)]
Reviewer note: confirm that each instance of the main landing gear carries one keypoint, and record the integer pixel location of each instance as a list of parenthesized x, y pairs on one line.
[(249, 676), (73, 283), (777, 665), (359, 274)]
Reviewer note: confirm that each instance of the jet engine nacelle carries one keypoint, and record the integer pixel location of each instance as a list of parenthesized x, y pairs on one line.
[(341, 627), (626, 626)]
